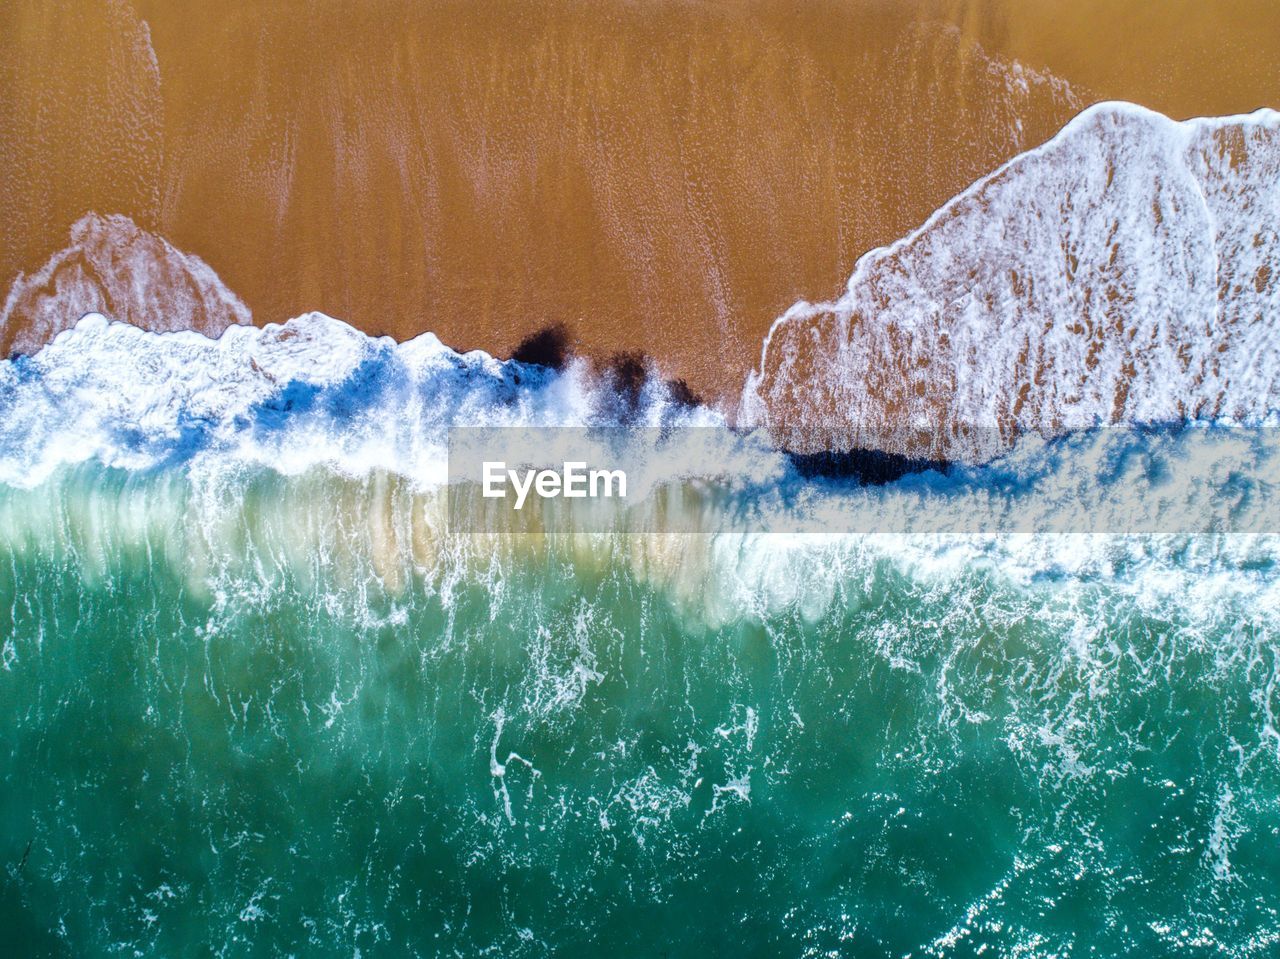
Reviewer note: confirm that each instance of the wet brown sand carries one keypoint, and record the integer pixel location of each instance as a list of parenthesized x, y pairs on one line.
[(660, 176)]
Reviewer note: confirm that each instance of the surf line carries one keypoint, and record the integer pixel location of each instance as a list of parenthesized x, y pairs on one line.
[(573, 481)]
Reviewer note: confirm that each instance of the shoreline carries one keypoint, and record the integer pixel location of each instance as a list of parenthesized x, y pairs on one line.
[(665, 180)]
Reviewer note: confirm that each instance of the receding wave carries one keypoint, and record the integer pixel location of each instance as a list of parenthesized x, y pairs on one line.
[(1126, 272), (112, 266)]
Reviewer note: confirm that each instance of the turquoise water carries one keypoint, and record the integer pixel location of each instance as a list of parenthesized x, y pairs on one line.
[(260, 718)]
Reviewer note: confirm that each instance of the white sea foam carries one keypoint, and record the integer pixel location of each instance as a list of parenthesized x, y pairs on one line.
[(313, 391), (113, 266), (1127, 271)]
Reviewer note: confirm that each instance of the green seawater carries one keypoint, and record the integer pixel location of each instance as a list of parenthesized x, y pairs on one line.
[(228, 733)]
